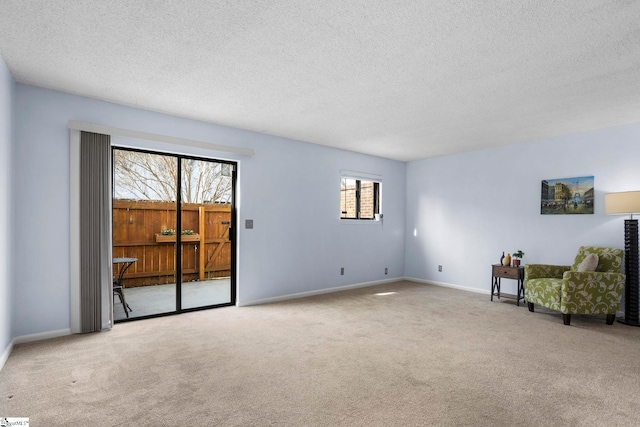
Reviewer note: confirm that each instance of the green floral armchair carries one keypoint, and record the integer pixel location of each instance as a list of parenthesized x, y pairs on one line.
[(569, 291)]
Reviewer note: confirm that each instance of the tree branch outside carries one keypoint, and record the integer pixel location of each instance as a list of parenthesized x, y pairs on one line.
[(145, 176)]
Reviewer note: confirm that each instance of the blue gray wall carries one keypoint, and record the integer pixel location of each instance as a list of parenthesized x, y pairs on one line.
[(289, 188), (6, 142), (460, 211), (464, 210)]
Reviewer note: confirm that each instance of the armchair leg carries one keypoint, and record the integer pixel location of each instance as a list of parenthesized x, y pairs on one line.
[(610, 319), (566, 318), (530, 305)]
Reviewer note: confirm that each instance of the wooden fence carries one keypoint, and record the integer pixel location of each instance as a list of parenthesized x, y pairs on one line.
[(137, 227)]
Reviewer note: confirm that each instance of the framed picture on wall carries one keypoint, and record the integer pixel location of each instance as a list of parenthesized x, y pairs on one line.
[(567, 196)]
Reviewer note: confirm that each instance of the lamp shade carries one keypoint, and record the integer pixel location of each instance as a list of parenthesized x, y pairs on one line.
[(626, 202)]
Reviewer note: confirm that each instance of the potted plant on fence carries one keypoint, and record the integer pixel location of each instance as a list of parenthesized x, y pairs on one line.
[(168, 235), (517, 256)]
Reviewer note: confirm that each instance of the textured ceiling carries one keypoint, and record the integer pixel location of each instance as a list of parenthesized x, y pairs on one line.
[(404, 80)]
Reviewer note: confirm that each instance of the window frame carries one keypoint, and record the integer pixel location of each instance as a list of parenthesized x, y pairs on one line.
[(376, 203)]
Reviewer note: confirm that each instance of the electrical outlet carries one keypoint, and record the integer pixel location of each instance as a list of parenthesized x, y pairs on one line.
[(386, 270), (440, 268), (342, 271)]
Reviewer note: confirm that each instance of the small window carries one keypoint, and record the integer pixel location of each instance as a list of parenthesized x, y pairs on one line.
[(359, 199)]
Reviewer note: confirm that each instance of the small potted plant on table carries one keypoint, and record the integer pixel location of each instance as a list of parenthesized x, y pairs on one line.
[(517, 256)]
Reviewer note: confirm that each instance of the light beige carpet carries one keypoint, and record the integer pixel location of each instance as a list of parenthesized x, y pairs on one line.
[(424, 355)]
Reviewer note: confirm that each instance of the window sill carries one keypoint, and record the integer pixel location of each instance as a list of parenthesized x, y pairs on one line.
[(360, 221)]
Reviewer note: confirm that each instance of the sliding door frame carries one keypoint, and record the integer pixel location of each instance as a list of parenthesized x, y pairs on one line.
[(75, 127), (178, 252)]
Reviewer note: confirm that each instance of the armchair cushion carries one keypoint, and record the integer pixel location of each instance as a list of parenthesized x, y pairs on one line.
[(589, 263)]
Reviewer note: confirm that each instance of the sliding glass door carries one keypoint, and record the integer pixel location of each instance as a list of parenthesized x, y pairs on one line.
[(172, 233), (207, 194)]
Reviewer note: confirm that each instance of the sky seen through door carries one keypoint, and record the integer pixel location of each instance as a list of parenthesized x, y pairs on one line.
[(146, 176)]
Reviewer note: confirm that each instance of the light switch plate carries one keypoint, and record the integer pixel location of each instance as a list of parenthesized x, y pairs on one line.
[(248, 224)]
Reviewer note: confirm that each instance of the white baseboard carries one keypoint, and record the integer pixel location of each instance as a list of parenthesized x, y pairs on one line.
[(41, 336), (5, 355), (449, 285), (619, 313), (29, 338), (316, 292)]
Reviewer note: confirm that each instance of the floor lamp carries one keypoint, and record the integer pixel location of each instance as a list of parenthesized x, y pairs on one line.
[(628, 202)]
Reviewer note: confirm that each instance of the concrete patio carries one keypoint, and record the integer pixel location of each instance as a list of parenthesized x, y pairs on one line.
[(149, 300)]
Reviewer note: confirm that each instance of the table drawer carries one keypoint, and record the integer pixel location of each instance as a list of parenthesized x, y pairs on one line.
[(506, 272)]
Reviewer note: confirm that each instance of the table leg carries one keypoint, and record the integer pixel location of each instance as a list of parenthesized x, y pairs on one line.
[(521, 289), (120, 291)]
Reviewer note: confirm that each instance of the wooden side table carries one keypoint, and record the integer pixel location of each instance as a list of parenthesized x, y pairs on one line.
[(499, 272)]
